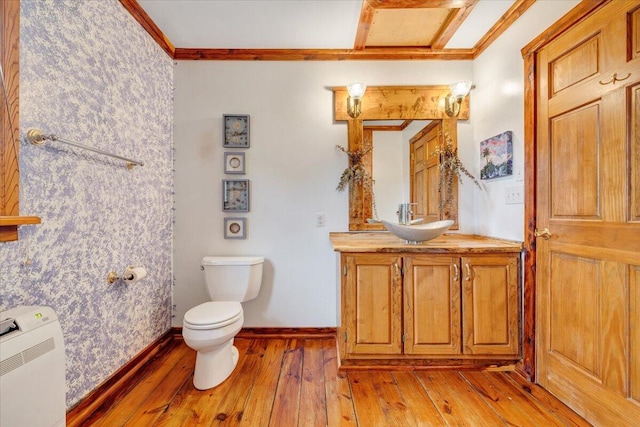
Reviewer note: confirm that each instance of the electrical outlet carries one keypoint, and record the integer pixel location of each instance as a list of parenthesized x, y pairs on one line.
[(514, 195), (320, 219)]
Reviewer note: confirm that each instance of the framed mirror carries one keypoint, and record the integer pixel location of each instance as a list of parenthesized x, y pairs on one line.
[(401, 103)]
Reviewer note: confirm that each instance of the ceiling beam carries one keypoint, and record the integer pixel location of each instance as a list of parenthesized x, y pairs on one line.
[(364, 25), (381, 53), (456, 18), (419, 4)]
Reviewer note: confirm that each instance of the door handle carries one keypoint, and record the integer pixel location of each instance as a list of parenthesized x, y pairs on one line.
[(544, 233), (468, 272), (455, 272)]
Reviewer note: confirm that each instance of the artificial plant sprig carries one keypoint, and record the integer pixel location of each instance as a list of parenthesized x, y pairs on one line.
[(450, 166), (356, 173)]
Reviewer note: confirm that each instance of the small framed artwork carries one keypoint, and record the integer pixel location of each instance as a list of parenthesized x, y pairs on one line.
[(236, 130), (235, 195), (235, 228), (234, 163), (496, 154)]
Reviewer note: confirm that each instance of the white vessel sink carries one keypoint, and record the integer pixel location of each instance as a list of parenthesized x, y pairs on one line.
[(420, 232)]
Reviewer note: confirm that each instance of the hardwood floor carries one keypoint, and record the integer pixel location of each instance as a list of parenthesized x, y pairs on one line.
[(295, 382)]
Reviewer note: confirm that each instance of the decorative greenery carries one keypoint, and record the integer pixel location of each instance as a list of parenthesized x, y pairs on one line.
[(356, 173), (450, 166)]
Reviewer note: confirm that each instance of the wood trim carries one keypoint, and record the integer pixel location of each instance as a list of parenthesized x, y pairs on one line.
[(6, 221), (9, 148), (510, 16), (527, 367), (399, 102), (391, 128), (445, 363), (571, 18), (420, 4), (274, 332), (377, 54), (120, 382), (364, 25), (455, 20), (133, 7)]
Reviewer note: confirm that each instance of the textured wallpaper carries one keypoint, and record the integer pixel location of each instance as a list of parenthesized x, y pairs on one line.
[(90, 73)]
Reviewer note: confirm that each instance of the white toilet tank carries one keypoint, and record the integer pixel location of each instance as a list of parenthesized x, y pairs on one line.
[(233, 278)]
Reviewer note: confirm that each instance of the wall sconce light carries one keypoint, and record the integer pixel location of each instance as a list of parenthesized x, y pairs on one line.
[(354, 102), (453, 101)]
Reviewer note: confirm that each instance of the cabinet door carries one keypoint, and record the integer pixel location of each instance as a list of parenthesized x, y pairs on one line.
[(432, 305), (490, 305), (372, 313)]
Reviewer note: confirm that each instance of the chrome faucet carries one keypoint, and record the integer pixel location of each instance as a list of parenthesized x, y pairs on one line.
[(405, 213)]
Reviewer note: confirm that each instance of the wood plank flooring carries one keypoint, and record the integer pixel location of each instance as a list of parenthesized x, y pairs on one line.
[(295, 382)]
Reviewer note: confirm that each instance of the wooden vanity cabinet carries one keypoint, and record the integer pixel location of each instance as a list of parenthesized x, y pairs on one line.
[(490, 305), (372, 304), (432, 320), (416, 306)]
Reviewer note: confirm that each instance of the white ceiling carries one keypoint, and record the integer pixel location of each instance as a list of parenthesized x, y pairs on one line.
[(286, 24)]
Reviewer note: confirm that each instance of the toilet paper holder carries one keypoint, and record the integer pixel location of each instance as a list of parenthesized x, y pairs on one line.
[(131, 275)]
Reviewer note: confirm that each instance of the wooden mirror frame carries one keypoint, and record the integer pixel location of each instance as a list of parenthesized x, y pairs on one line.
[(389, 103), (9, 170)]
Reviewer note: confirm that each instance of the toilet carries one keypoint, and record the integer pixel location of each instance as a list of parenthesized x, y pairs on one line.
[(210, 327)]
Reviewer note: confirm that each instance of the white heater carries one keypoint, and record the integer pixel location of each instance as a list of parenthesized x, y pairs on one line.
[(32, 383)]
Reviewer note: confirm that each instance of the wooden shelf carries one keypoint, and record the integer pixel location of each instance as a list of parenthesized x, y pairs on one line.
[(9, 226), (18, 220)]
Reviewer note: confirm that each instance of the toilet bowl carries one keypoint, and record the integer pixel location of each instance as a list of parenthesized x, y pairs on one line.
[(209, 328)]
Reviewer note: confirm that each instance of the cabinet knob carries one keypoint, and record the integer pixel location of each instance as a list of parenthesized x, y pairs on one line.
[(468, 272), (455, 272)]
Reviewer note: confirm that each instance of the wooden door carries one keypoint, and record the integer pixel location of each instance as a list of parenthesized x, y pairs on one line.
[(432, 305), (588, 163), (425, 172), (372, 310), (490, 305)]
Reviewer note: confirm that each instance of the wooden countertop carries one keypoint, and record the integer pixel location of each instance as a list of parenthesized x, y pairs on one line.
[(385, 242)]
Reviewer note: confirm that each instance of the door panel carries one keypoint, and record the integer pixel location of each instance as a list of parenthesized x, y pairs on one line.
[(634, 307), (490, 305), (373, 290), (635, 34), (574, 303), (432, 305), (575, 143), (634, 164), (588, 197), (578, 64), (426, 176)]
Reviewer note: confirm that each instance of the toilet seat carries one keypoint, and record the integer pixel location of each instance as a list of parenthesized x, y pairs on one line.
[(213, 315)]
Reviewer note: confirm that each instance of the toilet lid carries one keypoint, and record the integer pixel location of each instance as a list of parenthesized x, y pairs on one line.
[(213, 313)]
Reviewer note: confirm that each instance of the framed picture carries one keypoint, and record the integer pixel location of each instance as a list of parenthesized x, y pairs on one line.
[(236, 130), (496, 154), (235, 228), (235, 195), (234, 163)]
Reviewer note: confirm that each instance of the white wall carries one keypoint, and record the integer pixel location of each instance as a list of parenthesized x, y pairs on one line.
[(497, 105), (293, 166)]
